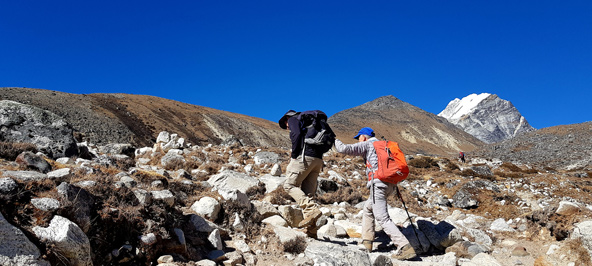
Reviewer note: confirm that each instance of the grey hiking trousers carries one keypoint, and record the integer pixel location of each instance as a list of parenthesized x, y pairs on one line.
[(378, 210)]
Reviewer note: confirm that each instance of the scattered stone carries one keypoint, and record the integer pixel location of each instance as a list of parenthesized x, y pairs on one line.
[(165, 259), (46, 204), (292, 215), (272, 182), (69, 240), (59, 174), (275, 220), (65, 160), (86, 184), (148, 239), (128, 181), (265, 209), (215, 239), (201, 225), (25, 176), (567, 208), (143, 196), (276, 170), (236, 196), (165, 196), (500, 225), (520, 251), (7, 185), (207, 207), (172, 159), (33, 161), (266, 157)]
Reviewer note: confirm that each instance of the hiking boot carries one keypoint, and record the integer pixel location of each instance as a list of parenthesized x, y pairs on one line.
[(311, 218), (405, 253), (366, 245)]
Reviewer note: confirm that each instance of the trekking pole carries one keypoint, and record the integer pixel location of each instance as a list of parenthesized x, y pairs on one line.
[(411, 221)]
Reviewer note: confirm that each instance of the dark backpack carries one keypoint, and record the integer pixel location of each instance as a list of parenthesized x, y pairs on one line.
[(319, 134)]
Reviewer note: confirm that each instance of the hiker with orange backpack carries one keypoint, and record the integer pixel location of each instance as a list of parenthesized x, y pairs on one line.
[(381, 186)]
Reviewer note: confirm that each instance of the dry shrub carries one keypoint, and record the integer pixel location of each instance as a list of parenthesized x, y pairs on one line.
[(175, 164), (125, 163), (423, 162), (147, 176), (468, 172), (353, 194), (249, 218), (512, 167), (256, 192), (296, 245), (577, 248), (279, 196), (10, 150), (507, 175), (210, 167)]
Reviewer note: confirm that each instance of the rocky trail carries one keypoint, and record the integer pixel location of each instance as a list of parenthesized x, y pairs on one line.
[(176, 204)]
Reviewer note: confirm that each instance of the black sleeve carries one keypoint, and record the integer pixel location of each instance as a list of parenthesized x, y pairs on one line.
[(295, 136)]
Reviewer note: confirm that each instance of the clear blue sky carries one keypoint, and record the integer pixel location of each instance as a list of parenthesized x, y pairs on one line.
[(261, 58)]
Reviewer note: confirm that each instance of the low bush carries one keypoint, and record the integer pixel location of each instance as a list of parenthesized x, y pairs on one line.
[(10, 150), (423, 162)]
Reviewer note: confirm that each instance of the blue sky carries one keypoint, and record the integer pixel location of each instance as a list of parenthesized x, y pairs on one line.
[(261, 58)]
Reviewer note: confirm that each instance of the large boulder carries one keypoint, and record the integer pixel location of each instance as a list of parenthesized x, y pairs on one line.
[(68, 238), (25, 123), (326, 253), (15, 248), (231, 180)]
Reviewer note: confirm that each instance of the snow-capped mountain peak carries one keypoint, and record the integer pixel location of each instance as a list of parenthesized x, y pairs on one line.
[(457, 108), (486, 116)]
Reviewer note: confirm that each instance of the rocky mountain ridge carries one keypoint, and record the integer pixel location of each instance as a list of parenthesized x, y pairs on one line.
[(487, 117), (416, 130), (136, 119)]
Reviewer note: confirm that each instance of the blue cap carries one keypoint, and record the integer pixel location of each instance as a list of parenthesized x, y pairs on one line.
[(365, 131)]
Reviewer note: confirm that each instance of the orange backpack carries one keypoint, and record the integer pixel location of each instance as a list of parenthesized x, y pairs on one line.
[(390, 161)]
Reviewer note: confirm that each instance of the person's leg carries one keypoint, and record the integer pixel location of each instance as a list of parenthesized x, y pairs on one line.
[(368, 225), (380, 210), (295, 174)]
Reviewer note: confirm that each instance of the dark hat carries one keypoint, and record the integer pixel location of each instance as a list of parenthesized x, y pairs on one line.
[(365, 131), (284, 118)]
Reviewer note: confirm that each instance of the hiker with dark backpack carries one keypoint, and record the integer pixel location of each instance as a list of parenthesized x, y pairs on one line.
[(311, 136), (384, 169)]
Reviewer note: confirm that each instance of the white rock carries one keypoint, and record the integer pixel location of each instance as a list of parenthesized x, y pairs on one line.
[(231, 180), (236, 196), (207, 207), (567, 208), (275, 220), (500, 225), (46, 204), (148, 239), (276, 170), (286, 234), (68, 238), (215, 239), (59, 174), (7, 185), (163, 137), (272, 182), (164, 195)]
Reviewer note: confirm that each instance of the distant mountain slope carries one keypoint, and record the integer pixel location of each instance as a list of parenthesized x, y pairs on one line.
[(563, 147), (416, 130), (137, 119), (487, 117)]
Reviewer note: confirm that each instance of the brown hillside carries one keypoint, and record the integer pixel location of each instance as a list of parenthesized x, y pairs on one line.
[(137, 119), (417, 131)]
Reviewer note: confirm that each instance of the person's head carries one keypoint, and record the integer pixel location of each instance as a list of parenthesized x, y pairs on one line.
[(283, 123), (364, 134)]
